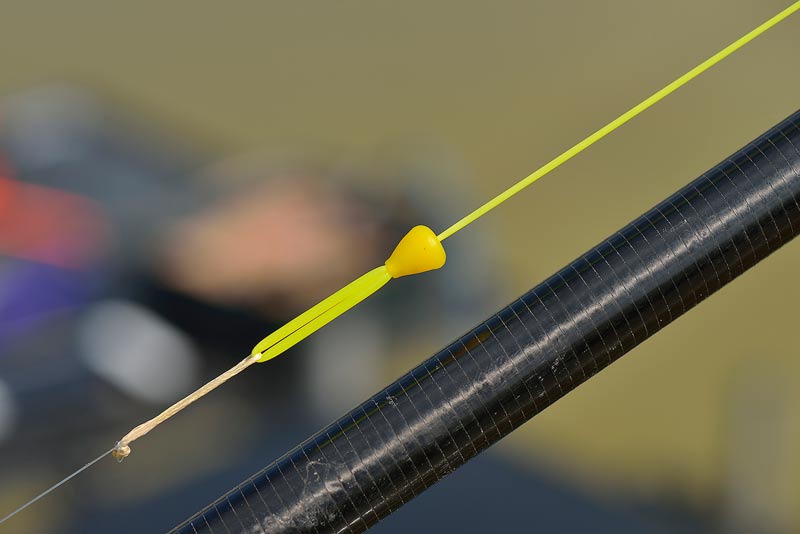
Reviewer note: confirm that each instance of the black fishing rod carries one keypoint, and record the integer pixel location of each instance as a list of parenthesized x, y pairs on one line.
[(528, 355)]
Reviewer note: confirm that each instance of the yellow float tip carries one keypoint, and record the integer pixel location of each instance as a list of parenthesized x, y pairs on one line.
[(418, 252)]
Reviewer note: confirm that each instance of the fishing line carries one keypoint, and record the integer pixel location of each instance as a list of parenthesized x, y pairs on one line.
[(419, 251), (55, 486)]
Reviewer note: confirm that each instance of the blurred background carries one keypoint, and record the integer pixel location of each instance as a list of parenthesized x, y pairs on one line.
[(178, 179)]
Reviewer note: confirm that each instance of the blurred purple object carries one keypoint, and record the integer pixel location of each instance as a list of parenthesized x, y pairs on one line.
[(31, 293)]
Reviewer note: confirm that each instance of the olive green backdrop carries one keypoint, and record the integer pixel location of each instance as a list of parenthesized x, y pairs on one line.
[(504, 86)]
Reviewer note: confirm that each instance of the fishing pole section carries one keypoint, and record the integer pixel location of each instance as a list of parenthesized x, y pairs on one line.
[(528, 355)]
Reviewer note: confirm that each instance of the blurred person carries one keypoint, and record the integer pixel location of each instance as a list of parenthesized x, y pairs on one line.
[(197, 260), (188, 269)]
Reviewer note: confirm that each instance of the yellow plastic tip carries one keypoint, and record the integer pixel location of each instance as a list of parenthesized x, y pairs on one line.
[(418, 252)]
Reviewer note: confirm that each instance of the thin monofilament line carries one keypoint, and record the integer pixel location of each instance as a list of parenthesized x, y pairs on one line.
[(52, 488)]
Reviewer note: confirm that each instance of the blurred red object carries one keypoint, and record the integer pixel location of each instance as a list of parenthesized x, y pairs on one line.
[(48, 225)]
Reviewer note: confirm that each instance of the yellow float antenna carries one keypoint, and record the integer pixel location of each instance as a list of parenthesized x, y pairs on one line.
[(421, 249), (616, 123)]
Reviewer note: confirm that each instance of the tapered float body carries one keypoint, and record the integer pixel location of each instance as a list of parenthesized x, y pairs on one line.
[(418, 252)]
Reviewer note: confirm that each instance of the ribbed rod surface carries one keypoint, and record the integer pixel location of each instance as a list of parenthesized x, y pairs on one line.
[(529, 354)]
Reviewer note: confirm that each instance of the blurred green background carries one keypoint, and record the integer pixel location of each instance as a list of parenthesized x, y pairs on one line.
[(505, 86)]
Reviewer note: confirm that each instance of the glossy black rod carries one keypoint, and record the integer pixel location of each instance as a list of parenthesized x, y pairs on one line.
[(529, 354)]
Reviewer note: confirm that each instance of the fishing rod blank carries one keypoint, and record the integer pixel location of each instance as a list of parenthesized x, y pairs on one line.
[(528, 355)]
